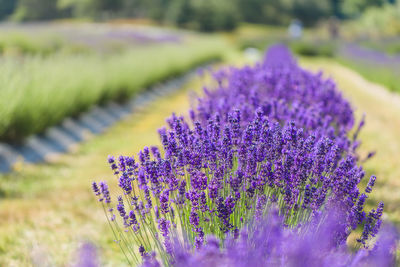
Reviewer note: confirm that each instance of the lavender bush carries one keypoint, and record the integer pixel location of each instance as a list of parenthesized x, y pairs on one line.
[(285, 92), (272, 134)]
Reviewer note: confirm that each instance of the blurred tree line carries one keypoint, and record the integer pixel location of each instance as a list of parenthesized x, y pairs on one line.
[(203, 15)]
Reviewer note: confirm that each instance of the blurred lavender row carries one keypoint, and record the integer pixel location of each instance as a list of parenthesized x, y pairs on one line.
[(265, 242), (94, 36), (369, 56)]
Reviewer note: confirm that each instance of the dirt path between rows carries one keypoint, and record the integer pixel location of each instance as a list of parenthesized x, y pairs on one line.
[(381, 132)]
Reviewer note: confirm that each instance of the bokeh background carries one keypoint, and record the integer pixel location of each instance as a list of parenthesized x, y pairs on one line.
[(73, 64)]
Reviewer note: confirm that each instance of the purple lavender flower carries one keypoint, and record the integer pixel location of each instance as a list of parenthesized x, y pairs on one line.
[(121, 207), (164, 198), (371, 183), (132, 219), (194, 218), (113, 165), (95, 189), (105, 193), (142, 251)]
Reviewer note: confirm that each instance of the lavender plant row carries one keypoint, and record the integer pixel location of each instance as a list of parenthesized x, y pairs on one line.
[(268, 135)]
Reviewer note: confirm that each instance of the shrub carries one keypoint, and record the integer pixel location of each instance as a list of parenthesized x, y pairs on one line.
[(272, 134), (310, 49)]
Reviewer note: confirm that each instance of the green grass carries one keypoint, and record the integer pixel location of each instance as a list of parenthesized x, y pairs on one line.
[(36, 91)]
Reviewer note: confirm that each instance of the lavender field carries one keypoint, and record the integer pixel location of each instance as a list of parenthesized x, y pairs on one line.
[(262, 158)]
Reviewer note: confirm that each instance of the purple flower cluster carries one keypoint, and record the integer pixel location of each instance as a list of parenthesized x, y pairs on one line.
[(265, 242), (272, 134), (284, 92)]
